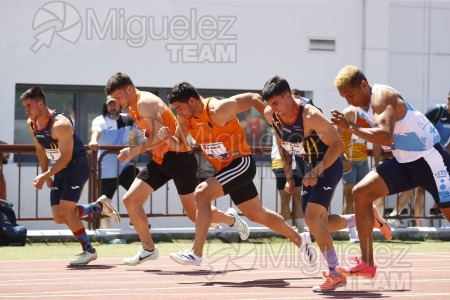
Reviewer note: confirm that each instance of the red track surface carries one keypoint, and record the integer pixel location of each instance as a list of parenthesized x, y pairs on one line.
[(400, 276)]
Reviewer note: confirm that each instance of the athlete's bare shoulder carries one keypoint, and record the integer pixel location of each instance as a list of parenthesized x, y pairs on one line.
[(150, 102)]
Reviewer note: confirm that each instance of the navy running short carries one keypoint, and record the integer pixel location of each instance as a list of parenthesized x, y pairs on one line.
[(69, 182), (429, 172)]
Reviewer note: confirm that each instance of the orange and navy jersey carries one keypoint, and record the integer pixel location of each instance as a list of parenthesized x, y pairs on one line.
[(355, 147), (169, 120), (220, 144)]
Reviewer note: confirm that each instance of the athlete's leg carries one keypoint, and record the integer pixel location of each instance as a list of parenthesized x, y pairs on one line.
[(134, 200), (419, 204), (217, 216), (204, 193), (255, 212), (365, 192), (316, 217)]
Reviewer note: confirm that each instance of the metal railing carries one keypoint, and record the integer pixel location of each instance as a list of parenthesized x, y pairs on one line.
[(22, 195)]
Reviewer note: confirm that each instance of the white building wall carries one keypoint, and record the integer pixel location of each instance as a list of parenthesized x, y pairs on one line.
[(401, 43)]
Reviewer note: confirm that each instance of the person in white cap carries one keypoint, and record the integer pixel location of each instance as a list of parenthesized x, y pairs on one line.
[(113, 127)]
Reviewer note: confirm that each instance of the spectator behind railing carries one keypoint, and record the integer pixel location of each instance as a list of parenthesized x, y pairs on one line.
[(4, 157), (113, 127)]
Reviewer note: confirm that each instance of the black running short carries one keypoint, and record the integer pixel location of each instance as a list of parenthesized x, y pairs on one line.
[(182, 167)]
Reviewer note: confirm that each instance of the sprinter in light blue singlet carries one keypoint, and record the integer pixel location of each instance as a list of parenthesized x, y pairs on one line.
[(419, 157)]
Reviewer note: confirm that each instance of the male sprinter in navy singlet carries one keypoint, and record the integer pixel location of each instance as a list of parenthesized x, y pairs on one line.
[(55, 140)]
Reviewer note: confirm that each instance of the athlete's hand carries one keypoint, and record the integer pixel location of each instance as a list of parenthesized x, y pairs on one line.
[(339, 119), (289, 186), (164, 133), (38, 181), (310, 178), (49, 182), (124, 155)]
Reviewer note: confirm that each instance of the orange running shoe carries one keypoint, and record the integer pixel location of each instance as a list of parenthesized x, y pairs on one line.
[(331, 283), (361, 269), (382, 224)]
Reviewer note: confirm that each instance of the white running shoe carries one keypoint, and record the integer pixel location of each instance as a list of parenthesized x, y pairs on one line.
[(186, 257), (240, 225), (108, 209), (307, 248), (141, 256), (84, 258)]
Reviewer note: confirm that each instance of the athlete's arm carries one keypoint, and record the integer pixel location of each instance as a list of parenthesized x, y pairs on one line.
[(222, 111), (150, 112), (286, 157), (40, 153), (178, 139), (314, 120), (386, 111), (62, 130)]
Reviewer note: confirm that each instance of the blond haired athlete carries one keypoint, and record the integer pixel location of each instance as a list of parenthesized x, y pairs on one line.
[(418, 157)]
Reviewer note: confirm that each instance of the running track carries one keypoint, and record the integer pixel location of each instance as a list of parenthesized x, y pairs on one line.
[(400, 276)]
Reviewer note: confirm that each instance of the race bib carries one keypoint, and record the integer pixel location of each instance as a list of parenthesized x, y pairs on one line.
[(294, 148), (53, 154), (215, 150)]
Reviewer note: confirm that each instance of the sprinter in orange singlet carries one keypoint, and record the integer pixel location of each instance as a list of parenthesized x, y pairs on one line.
[(171, 160), (215, 127)]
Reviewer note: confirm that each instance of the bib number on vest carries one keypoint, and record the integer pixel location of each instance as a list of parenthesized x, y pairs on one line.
[(215, 150), (53, 154), (293, 148)]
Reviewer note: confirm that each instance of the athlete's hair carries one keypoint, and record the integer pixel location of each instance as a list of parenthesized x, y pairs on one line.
[(182, 92), (35, 93), (117, 81), (276, 86), (349, 76)]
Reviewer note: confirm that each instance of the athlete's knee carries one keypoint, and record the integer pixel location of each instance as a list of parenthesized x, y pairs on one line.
[(312, 220), (129, 201), (201, 194), (58, 219), (361, 196)]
